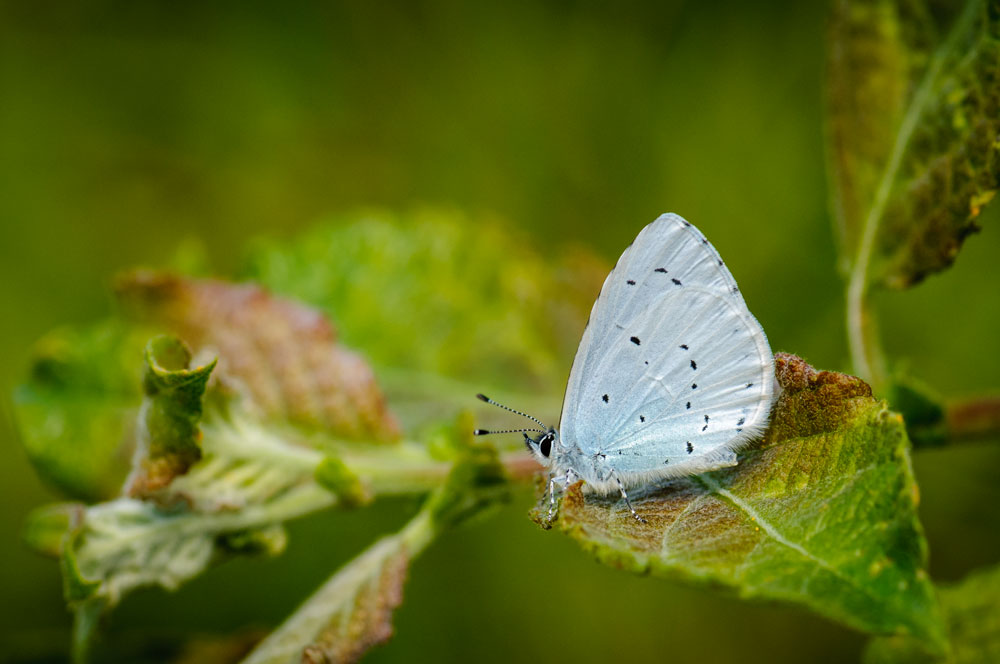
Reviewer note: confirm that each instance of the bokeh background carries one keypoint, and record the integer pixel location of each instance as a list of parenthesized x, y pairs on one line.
[(128, 130)]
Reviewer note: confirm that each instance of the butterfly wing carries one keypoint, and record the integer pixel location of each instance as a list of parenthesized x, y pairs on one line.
[(673, 372)]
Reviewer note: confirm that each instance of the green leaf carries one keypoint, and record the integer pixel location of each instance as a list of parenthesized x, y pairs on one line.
[(486, 302), (913, 123), (821, 513), (76, 412), (352, 611), (972, 613), (169, 438)]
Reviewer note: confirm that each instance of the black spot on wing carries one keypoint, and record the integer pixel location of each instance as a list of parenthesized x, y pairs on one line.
[(630, 282), (634, 340), (676, 281), (690, 447), (694, 365), (642, 419), (741, 421), (694, 386), (749, 385), (684, 346), (689, 405), (661, 270), (605, 398)]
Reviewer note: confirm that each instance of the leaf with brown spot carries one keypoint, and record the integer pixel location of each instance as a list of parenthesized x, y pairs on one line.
[(349, 614), (914, 115), (283, 353), (822, 513)]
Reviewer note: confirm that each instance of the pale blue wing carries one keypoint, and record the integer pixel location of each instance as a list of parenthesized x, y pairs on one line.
[(669, 342)]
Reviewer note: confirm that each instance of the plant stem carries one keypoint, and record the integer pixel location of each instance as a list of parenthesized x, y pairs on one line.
[(866, 353), (974, 419)]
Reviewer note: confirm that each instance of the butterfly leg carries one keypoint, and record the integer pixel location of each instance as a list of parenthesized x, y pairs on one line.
[(552, 497), (628, 503), (563, 481)]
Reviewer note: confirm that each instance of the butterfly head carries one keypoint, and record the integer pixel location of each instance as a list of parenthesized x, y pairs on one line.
[(541, 447)]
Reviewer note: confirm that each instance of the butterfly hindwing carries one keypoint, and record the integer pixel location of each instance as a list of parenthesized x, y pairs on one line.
[(673, 372)]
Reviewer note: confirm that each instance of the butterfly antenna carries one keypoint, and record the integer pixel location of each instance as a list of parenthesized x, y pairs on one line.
[(484, 432), (483, 397)]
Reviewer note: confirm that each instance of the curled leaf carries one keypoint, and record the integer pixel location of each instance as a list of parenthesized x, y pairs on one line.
[(822, 513), (285, 355), (169, 437)]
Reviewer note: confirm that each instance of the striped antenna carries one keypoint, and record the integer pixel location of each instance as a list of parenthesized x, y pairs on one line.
[(483, 397), (484, 432)]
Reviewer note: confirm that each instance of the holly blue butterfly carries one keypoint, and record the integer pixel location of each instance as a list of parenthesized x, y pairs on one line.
[(672, 377)]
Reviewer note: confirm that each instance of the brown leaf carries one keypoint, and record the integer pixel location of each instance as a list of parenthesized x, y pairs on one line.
[(283, 353)]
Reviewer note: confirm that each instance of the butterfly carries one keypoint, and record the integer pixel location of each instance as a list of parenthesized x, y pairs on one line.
[(672, 377)]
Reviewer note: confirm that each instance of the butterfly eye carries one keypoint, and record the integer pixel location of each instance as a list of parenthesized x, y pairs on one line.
[(545, 446)]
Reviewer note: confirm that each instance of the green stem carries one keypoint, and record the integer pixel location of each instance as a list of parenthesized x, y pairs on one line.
[(86, 616), (866, 353)]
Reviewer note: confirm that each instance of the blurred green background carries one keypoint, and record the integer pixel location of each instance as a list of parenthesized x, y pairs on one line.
[(129, 129)]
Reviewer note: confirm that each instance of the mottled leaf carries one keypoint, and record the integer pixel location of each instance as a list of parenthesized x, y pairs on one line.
[(972, 614), (282, 353), (489, 305), (914, 115), (822, 512)]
